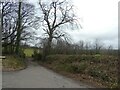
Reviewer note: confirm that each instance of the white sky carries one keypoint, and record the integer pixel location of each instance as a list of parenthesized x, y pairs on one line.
[(99, 19)]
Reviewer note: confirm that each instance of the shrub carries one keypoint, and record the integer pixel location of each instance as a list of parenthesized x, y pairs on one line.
[(95, 72), (104, 76), (21, 53), (75, 68), (71, 68), (100, 67), (70, 59), (82, 67), (37, 55)]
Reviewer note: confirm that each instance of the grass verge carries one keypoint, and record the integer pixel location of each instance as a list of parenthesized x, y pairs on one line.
[(12, 63), (100, 70)]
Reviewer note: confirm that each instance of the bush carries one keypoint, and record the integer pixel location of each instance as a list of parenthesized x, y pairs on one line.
[(82, 67), (100, 67), (94, 72), (75, 68), (22, 55), (104, 76), (71, 68), (37, 55), (70, 59)]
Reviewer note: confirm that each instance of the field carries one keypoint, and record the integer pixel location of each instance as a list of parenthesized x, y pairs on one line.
[(101, 69), (28, 52)]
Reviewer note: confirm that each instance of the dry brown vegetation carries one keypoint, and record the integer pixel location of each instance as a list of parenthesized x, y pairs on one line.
[(101, 69), (13, 63)]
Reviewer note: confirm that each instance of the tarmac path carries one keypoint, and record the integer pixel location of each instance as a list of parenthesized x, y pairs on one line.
[(36, 76)]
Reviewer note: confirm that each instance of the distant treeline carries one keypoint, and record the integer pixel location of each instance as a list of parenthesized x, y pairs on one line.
[(82, 47)]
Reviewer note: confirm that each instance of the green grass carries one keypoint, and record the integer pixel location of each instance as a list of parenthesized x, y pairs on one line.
[(29, 52), (13, 63)]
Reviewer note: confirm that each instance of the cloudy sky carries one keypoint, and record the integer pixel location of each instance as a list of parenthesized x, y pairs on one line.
[(99, 19)]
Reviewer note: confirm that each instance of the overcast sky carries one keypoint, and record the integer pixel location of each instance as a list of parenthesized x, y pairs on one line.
[(99, 19)]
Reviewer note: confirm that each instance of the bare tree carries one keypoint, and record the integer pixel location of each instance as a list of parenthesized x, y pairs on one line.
[(98, 45), (27, 21), (81, 46), (56, 16), (17, 21), (110, 49), (8, 23)]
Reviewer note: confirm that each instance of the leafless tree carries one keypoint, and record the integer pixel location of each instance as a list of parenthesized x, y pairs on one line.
[(56, 16), (97, 45), (8, 23), (25, 22), (81, 46), (16, 21)]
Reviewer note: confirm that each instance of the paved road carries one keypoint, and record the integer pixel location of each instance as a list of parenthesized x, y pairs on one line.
[(36, 76)]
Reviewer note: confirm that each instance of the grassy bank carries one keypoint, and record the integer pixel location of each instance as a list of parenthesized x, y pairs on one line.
[(12, 63), (99, 69)]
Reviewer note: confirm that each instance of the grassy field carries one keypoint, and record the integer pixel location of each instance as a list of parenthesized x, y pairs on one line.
[(12, 63), (28, 52), (101, 69)]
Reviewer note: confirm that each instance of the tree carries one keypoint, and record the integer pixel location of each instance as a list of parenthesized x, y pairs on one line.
[(0, 34), (17, 21), (98, 45), (81, 46), (27, 21), (8, 23), (110, 50), (87, 47), (18, 28), (56, 15)]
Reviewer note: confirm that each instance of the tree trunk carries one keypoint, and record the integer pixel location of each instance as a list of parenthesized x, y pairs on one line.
[(47, 48), (1, 29), (18, 29)]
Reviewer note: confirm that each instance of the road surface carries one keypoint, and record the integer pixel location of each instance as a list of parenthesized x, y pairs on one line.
[(36, 76)]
